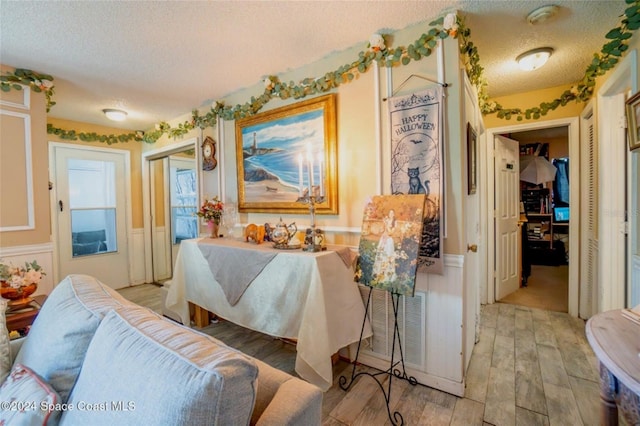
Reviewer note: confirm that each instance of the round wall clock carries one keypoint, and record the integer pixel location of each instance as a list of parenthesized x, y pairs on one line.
[(209, 161)]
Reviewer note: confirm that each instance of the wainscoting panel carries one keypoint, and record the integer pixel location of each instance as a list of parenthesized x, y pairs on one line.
[(136, 256), (41, 253), (430, 326)]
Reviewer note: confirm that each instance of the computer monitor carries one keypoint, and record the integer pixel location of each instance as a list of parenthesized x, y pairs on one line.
[(561, 214)]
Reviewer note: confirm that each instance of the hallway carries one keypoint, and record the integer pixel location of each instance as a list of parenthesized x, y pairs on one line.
[(533, 367), (547, 288)]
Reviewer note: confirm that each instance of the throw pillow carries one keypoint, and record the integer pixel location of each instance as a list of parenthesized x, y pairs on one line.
[(59, 337), (5, 349), (152, 371), (27, 399)]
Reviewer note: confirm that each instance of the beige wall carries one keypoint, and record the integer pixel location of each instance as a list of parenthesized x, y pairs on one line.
[(13, 177), (134, 147), (356, 126)]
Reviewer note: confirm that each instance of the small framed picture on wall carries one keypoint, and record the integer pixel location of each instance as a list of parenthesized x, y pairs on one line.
[(633, 121), (471, 160)]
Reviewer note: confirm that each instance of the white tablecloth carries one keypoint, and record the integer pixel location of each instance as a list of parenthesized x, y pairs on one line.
[(310, 297)]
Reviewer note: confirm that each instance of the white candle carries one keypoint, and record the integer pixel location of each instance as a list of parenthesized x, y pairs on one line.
[(310, 168), (321, 172), (300, 174)]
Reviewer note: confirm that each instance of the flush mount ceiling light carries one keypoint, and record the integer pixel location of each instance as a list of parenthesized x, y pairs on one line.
[(542, 14), (534, 59), (115, 114)]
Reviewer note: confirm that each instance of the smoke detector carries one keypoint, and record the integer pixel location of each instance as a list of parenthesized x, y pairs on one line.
[(542, 14)]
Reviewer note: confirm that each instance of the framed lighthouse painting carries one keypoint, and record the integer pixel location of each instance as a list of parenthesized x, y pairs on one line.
[(284, 153)]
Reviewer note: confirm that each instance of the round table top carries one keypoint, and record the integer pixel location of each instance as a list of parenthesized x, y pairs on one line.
[(615, 340)]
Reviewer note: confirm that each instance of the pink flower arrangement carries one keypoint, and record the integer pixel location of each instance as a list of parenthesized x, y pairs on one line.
[(16, 276), (211, 210)]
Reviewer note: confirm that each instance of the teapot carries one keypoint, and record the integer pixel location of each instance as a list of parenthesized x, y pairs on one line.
[(281, 234)]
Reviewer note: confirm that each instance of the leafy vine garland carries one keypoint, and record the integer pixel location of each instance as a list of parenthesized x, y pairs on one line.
[(442, 28)]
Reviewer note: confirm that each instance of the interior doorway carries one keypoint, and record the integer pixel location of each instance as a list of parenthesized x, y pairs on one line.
[(568, 230), (545, 215), (174, 193), (171, 184)]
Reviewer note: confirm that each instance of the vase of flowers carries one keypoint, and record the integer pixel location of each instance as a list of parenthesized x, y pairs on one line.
[(211, 211), (17, 283)]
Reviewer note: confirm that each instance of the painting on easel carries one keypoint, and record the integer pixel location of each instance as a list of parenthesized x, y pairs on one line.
[(390, 242)]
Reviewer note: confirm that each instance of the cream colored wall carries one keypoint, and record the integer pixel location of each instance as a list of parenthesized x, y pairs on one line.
[(356, 125), (134, 147), (39, 157)]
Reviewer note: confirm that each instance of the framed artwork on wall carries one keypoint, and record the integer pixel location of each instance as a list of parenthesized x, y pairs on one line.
[(633, 121), (284, 153), (472, 159)]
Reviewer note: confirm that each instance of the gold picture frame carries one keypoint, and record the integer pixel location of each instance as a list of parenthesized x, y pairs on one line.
[(274, 150), (633, 121)]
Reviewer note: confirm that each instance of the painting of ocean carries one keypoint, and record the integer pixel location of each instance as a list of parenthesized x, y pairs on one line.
[(271, 150)]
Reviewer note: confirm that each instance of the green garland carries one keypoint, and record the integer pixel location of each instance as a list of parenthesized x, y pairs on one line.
[(441, 28), (37, 82), (72, 135)]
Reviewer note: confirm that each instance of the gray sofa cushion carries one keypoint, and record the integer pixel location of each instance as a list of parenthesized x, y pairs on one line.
[(61, 332), (181, 377)]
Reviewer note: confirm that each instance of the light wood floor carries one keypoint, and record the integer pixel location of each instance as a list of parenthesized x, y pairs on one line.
[(530, 367)]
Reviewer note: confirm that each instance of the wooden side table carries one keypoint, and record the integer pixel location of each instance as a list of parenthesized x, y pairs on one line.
[(23, 318), (616, 342)]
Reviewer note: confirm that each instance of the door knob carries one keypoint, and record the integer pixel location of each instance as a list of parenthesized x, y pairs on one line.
[(472, 247)]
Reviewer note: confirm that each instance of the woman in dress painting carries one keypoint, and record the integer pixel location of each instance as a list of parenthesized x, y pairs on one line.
[(384, 268)]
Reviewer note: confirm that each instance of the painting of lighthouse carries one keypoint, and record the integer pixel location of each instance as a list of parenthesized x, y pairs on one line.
[(269, 148)]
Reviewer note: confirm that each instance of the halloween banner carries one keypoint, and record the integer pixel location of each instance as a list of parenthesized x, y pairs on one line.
[(416, 165)]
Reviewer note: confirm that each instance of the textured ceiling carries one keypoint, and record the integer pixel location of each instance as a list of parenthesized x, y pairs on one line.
[(161, 59)]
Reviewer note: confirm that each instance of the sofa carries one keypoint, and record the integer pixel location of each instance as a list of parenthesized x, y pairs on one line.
[(93, 357), (89, 242)]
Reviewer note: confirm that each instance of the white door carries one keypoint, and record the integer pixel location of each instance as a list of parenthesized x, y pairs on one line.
[(634, 230), (90, 213), (472, 264), (507, 213)]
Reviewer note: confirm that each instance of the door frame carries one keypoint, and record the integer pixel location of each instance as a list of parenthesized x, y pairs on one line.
[(573, 125), (613, 265), (146, 192), (53, 201)]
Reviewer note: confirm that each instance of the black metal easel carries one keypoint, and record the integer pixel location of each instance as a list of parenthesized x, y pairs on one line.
[(396, 418)]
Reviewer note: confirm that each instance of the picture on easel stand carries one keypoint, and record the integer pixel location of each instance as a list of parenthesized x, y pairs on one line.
[(390, 243), (388, 261)]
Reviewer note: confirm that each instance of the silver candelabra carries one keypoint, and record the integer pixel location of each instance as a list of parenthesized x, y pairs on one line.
[(313, 237)]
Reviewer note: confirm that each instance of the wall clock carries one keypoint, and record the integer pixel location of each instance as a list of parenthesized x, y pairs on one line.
[(209, 161)]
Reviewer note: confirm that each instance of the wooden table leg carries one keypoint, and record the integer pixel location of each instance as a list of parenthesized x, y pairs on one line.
[(201, 317)]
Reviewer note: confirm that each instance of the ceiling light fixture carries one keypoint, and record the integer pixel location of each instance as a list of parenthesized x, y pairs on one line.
[(534, 59), (115, 114), (542, 14)]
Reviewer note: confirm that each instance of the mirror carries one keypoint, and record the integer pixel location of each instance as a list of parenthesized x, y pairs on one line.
[(174, 196)]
